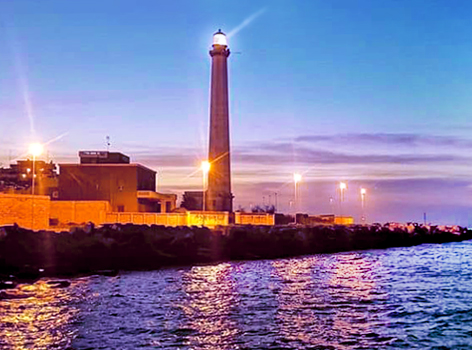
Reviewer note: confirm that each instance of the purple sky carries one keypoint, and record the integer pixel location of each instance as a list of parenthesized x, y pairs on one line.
[(373, 93)]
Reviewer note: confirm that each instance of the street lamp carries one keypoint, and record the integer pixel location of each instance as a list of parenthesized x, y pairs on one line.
[(296, 179), (342, 188), (205, 169), (35, 149), (363, 193)]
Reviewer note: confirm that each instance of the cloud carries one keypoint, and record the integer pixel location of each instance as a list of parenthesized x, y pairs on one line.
[(405, 139), (280, 154), (286, 153)]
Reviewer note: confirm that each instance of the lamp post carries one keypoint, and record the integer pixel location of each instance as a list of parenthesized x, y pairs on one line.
[(296, 179), (342, 188), (35, 149), (205, 169), (363, 193), (275, 209)]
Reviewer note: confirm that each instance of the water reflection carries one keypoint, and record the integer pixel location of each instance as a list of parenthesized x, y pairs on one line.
[(327, 300), (37, 316), (417, 297), (354, 294), (208, 306), (354, 274), (300, 304)]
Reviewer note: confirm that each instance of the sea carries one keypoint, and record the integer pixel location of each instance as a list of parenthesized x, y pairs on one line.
[(399, 298)]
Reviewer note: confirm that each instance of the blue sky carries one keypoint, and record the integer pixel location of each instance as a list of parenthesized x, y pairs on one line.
[(375, 93)]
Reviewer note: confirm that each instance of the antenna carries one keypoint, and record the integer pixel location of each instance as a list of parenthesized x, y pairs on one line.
[(108, 143)]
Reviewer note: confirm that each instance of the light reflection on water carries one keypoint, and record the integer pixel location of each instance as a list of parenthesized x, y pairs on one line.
[(41, 316), (326, 296), (418, 297), (207, 307)]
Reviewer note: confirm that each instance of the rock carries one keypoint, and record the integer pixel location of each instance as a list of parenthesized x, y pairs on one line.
[(7, 284), (59, 284), (5, 295)]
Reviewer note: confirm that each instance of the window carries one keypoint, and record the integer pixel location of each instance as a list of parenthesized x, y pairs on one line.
[(121, 208)]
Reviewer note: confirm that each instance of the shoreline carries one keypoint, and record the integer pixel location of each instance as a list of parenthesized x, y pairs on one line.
[(26, 256)]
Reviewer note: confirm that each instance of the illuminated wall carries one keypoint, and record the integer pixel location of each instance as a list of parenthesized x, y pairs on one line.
[(254, 219), (25, 210), (78, 212)]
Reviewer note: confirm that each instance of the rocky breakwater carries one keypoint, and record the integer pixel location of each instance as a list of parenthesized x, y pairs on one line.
[(26, 255)]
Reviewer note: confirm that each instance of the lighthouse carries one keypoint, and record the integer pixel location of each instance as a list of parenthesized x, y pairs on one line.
[(219, 196)]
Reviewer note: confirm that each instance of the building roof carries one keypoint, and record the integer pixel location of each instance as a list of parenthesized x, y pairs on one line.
[(105, 165)]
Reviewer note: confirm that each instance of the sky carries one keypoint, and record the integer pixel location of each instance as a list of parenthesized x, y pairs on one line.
[(373, 93)]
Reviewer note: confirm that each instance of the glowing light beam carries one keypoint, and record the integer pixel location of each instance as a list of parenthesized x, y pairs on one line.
[(245, 23)]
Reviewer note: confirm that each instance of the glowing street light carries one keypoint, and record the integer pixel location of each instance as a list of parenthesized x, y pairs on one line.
[(297, 178), (342, 188), (205, 170), (363, 193), (35, 149)]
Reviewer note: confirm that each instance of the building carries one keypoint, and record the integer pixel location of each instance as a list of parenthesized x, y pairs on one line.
[(219, 196), (192, 200), (305, 219), (18, 178), (103, 157), (330, 219), (107, 176)]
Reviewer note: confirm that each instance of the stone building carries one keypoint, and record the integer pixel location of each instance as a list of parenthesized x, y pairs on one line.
[(107, 176)]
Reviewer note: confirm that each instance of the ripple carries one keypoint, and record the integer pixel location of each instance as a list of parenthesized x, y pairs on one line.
[(404, 298)]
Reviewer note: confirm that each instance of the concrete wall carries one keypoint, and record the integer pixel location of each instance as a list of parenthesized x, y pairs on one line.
[(254, 219), (25, 210), (210, 219), (168, 219), (78, 212), (344, 220)]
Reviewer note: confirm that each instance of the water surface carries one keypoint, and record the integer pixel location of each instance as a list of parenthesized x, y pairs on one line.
[(417, 297)]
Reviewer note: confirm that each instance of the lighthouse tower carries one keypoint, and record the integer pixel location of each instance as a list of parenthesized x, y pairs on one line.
[(219, 196)]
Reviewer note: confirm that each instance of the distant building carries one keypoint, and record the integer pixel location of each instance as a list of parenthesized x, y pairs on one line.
[(330, 219), (343, 220), (305, 219), (18, 178), (111, 177), (192, 200)]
